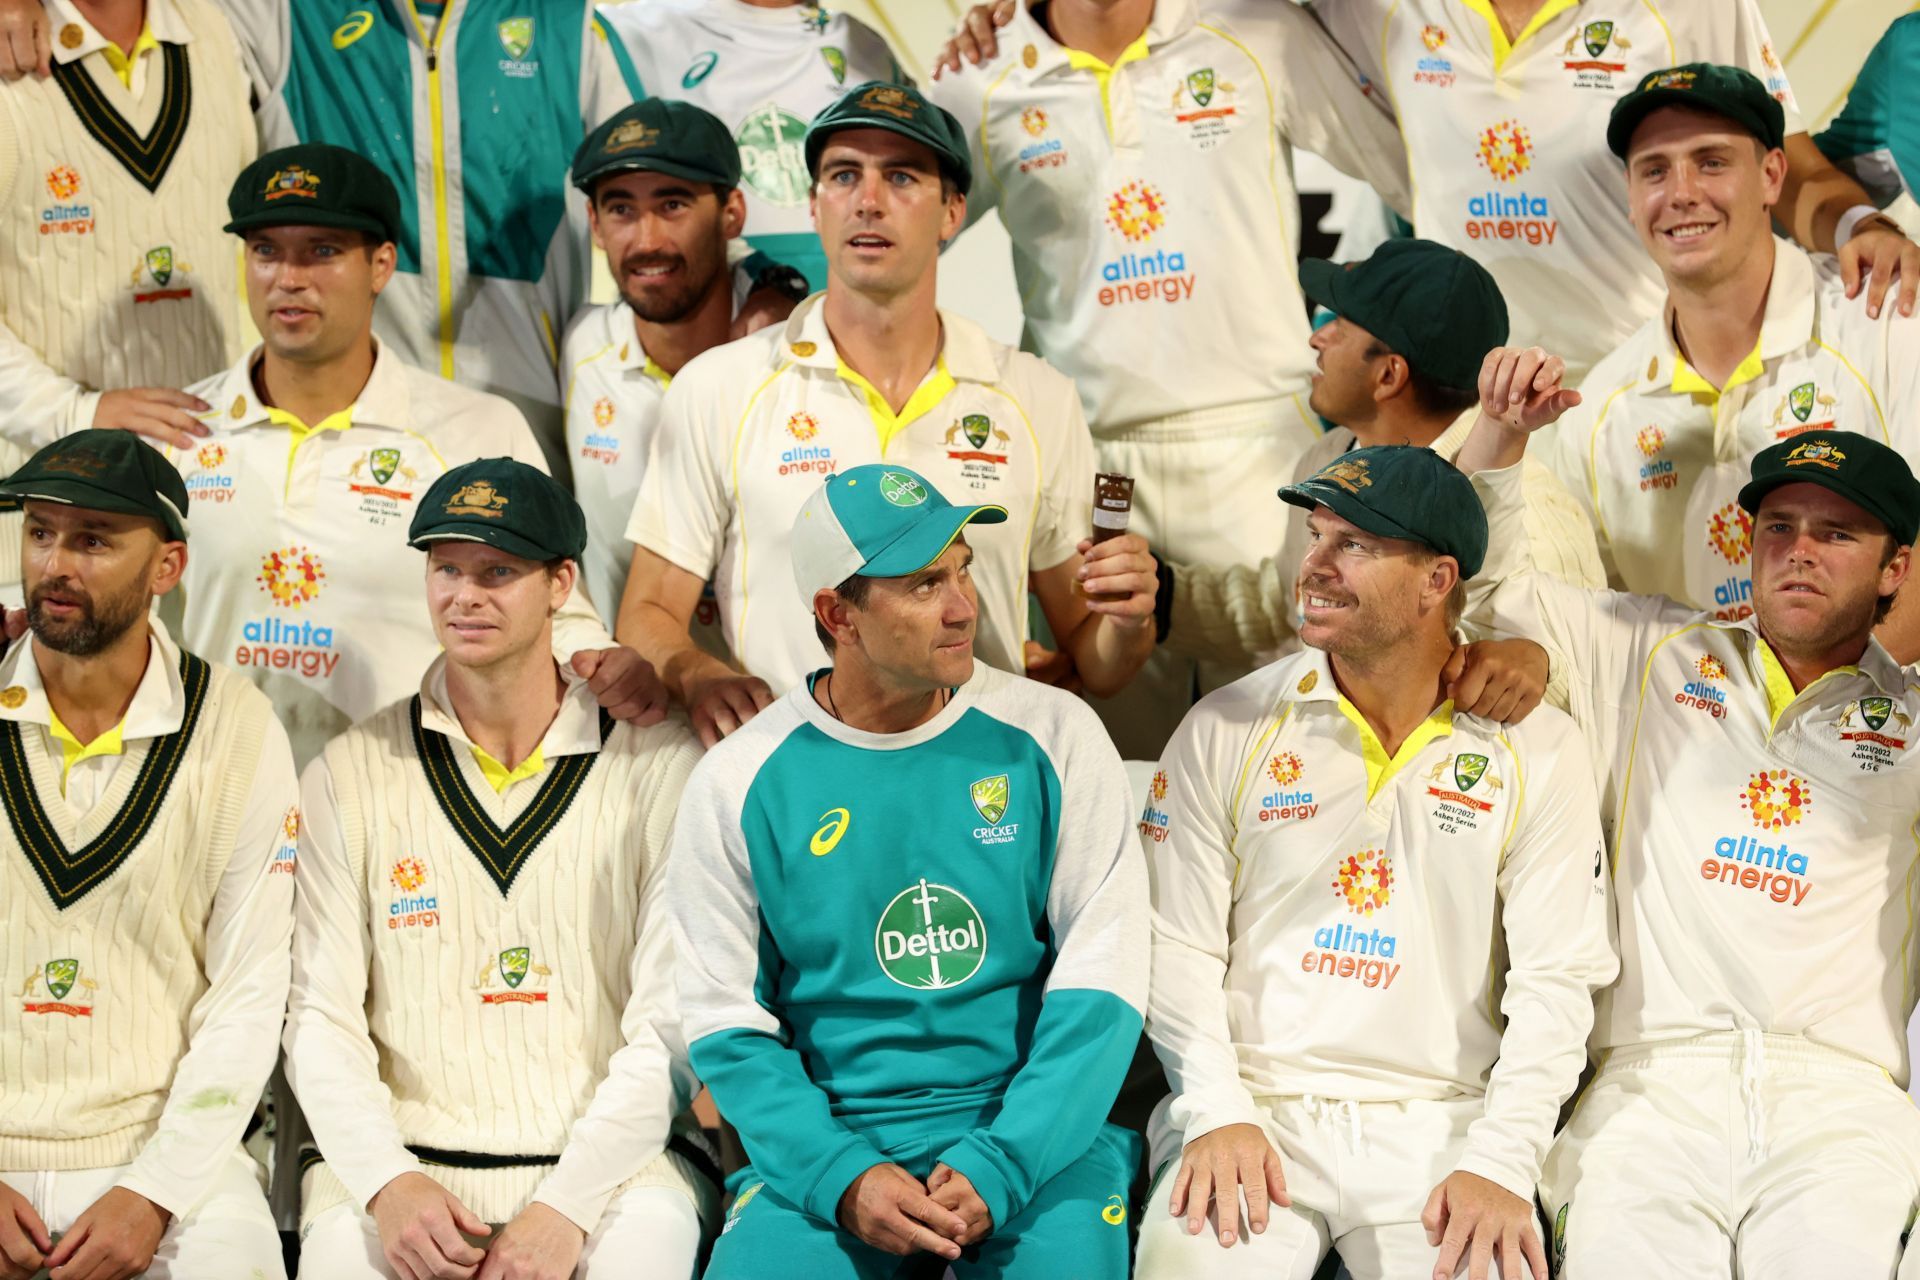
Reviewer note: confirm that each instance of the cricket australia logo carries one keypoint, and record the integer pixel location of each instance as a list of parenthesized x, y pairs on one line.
[(1861, 723), (1793, 415), (930, 937), (54, 982), (1458, 808), (516, 41), (1596, 40), (989, 796), (513, 978)]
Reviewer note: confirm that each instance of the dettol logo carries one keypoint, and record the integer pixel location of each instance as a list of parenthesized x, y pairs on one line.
[(930, 937), (772, 155)]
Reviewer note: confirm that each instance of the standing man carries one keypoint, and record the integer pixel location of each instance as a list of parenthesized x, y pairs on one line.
[(1138, 154), (497, 823), (1749, 1115), (869, 371), (115, 287), (146, 887), (323, 439), (918, 1039), (765, 68), (662, 182), (1379, 1071), (1757, 343)]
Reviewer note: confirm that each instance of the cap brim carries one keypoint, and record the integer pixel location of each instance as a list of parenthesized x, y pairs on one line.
[(1310, 494), (493, 536), (1753, 492), (1620, 128), (307, 216), (672, 168), (959, 170), (1320, 281), (78, 493), (927, 541)]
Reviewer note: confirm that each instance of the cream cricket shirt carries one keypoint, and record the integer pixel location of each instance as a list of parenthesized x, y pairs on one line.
[(1151, 203), (1763, 843), (1331, 922), (1507, 141), (1658, 454), (299, 575), (749, 430)]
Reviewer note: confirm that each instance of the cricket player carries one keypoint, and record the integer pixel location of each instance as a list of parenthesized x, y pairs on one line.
[(481, 1030), (1139, 157), (323, 439), (911, 924), (765, 68), (1759, 789), (147, 855), (1757, 343), (1378, 923), (868, 371)]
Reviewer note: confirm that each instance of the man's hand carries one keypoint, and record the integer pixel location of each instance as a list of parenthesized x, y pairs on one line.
[(760, 308), (1468, 1216), (1873, 257), (720, 705), (952, 1190), (24, 1242), (974, 39), (161, 414), (1120, 566), (25, 40), (540, 1244), (1522, 388), (888, 1208), (112, 1239), (1050, 666), (1216, 1167), (421, 1230), (624, 683), (1501, 680)]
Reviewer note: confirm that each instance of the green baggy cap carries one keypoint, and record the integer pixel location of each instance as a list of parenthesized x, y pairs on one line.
[(506, 504), (1860, 469), (314, 184), (899, 109), (1733, 92), (1434, 306), (102, 470), (660, 135), (1402, 491)]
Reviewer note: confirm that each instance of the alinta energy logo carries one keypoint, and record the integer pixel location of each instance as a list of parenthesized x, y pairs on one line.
[(1363, 883), (1043, 152), (1434, 67), (1656, 472), (1774, 799), (1136, 212), (1730, 537), (1153, 819), (292, 577), (411, 907), (1285, 805), (209, 483), (600, 445), (1505, 150), (1702, 691), (64, 217), (286, 858), (806, 458)]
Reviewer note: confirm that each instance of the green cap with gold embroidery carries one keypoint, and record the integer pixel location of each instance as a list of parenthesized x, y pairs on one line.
[(1401, 491), (506, 504), (1859, 468), (103, 471), (314, 184), (897, 108), (661, 135), (1733, 92)]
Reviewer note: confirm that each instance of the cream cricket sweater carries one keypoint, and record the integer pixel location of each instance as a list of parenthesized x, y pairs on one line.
[(486, 973)]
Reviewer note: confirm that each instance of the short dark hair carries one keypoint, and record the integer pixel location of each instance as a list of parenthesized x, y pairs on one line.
[(854, 591)]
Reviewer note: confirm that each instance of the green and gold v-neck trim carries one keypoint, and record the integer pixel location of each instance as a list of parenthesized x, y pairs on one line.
[(69, 875), (146, 159), (501, 854)]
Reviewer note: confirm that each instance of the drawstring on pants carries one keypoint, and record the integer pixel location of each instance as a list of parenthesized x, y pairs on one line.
[(1753, 1055), (1333, 1111)]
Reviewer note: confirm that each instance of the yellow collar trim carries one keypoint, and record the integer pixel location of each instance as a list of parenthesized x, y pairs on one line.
[(123, 63), (1080, 60), (655, 372), (73, 751), (885, 421), (1501, 45), (301, 432), (1687, 379), (1380, 769), (499, 777), (1780, 691)]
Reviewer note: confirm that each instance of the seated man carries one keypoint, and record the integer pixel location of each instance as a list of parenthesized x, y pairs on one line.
[(481, 1029), (146, 896), (1748, 1117), (1378, 923), (911, 925)]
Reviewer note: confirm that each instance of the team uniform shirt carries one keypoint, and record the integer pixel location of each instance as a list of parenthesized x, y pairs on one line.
[(1151, 203), (1507, 144), (1323, 914), (749, 430), (1762, 841), (841, 986), (301, 576), (1876, 136), (614, 390), (146, 909), (475, 117), (460, 915), (1657, 454), (765, 73)]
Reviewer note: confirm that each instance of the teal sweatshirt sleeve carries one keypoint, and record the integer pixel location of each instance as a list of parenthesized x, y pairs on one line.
[(1876, 136), (1090, 1017)]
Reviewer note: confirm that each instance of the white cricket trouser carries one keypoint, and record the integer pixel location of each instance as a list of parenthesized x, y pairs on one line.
[(229, 1233), (1204, 493), (1741, 1154), (647, 1233), (1359, 1174)]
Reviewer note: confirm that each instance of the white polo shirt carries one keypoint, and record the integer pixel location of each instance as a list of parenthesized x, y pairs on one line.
[(1658, 455), (766, 73), (1151, 203), (298, 571), (1507, 141), (749, 430), (1333, 922), (1762, 841)]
